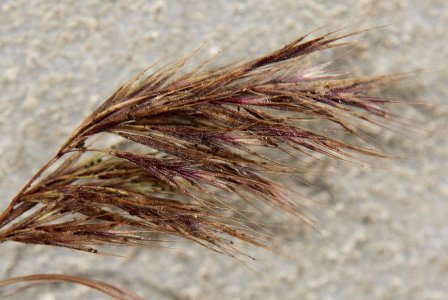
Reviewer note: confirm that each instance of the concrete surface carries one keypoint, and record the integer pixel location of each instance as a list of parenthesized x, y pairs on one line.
[(388, 227)]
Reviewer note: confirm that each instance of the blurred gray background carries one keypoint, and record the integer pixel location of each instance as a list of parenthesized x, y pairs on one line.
[(388, 228)]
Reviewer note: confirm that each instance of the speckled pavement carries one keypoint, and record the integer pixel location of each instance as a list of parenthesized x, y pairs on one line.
[(388, 227)]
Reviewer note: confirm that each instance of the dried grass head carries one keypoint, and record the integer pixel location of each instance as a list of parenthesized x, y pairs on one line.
[(194, 138)]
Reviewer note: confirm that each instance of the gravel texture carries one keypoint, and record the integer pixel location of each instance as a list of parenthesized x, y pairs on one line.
[(388, 227)]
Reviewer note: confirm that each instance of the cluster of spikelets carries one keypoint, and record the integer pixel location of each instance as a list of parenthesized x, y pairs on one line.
[(189, 140)]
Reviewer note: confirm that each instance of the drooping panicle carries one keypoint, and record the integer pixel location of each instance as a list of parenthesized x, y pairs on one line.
[(191, 141)]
